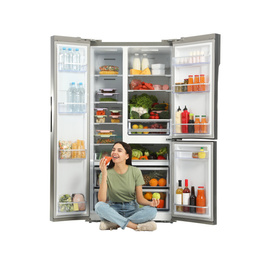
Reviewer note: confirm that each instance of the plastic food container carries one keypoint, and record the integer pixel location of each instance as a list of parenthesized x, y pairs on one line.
[(105, 133), (108, 90), (158, 71), (158, 66), (100, 119), (115, 118), (105, 139)]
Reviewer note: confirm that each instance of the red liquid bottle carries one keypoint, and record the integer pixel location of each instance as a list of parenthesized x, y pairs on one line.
[(185, 120), (186, 197)]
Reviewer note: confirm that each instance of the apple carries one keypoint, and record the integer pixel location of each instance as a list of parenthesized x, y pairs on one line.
[(156, 196)]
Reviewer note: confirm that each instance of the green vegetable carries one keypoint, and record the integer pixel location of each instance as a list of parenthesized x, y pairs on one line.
[(107, 99), (65, 203), (144, 100), (136, 153), (164, 115), (145, 116), (146, 153), (134, 115), (162, 151), (159, 107)]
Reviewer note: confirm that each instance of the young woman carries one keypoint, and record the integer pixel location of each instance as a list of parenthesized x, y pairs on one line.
[(122, 184)]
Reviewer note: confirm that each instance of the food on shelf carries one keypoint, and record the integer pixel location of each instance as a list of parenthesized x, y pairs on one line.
[(161, 204), (105, 132), (70, 204), (156, 195), (145, 116), (153, 182), (137, 153), (144, 100), (146, 178), (100, 119), (144, 157), (69, 150), (65, 145), (79, 202), (134, 114), (107, 99), (100, 112), (145, 133), (148, 196), (108, 90), (134, 83), (162, 182), (109, 69), (137, 84), (140, 72), (107, 140)]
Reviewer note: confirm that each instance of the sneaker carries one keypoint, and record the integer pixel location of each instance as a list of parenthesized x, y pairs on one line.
[(147, 226), (106, 225)]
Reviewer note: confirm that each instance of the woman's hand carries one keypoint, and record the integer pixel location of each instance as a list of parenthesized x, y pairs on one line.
[(102, 166), (154, 202)]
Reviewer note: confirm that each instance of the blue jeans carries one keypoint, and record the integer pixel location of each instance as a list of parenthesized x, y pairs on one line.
[(123, 212)]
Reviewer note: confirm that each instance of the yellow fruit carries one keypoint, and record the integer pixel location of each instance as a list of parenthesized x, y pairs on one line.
[(135, 126)]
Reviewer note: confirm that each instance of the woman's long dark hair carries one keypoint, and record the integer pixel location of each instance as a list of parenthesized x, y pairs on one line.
[(128, 150)]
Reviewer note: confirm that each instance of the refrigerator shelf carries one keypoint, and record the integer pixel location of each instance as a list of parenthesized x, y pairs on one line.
[(147, 90), (82, 70), (191, 206), (71, 207), (72, 154), (107, 75), (66, 108), (139, 75), (151, 162)]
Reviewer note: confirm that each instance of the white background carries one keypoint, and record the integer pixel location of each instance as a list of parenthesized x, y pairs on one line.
[(243, 148)]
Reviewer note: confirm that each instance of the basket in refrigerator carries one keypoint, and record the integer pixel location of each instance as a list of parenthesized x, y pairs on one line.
[(71, 203), (107, 90), (65, 149)]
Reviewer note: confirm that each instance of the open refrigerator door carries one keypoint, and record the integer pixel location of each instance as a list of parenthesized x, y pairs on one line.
[(194, 181), (195, 78), (69, 129)]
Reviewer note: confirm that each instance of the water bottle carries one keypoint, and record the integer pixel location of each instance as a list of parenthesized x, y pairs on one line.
[(70, 97), (69, 59), (76, 100), (62, 58), (81, 90), (76, 60)]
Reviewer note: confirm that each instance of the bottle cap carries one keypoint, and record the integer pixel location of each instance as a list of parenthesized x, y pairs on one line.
[(186, 182), (190, 75), (179, 183), (196, 75), (178, 108), (202, 75), (200, 187)]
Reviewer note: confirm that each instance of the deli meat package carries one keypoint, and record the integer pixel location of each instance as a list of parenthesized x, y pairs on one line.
[(79, 198)]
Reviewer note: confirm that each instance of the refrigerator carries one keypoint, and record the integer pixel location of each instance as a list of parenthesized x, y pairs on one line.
[(96, 87)]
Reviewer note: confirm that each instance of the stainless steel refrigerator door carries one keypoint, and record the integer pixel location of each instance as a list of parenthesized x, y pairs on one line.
[(199, 172), (69, 172), (196, 56)]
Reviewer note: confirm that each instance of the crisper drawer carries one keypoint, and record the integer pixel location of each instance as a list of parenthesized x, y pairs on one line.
[(164, 197)]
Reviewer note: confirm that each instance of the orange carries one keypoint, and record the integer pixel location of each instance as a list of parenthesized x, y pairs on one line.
[(153, 182), (162, 182), (148, 196)]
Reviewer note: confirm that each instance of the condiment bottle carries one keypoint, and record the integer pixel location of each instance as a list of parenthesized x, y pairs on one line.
[(192, 200), (145, 62), (178, 120), (185, 120), (136, 62), (200, 200), (197, 124), (191, 124), (190, 82), (196, 82), (201, 154), (203, 125), (202, 80)]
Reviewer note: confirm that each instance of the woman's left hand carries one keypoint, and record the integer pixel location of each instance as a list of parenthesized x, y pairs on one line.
[(154, 203)]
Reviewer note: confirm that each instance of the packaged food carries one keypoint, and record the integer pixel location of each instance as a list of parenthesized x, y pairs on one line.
[(109, 68), (100, 119), (104, 132), (65, 145), (158, 72), (108, 90), (158, 66)]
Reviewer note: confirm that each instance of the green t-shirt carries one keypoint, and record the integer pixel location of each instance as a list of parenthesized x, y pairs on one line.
[(121, 187)]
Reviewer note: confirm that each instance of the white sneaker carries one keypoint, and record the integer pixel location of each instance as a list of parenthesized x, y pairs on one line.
[(147, 226), (106, 225)]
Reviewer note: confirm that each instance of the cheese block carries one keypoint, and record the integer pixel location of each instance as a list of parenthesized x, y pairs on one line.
[(76, 207), (146, 72), (135, 72)]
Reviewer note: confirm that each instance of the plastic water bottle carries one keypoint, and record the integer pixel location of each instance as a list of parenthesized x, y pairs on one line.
[(81, 90), (76, 60), (69, 59), (70, 97), (76, 107), (62, 54)]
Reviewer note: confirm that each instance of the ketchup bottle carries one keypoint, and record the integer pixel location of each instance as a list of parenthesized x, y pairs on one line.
[(185, 120)]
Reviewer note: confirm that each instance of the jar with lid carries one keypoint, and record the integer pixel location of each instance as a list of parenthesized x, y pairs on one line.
[(136, 62)]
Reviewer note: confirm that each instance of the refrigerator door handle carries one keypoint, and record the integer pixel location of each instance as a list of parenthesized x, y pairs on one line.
[(51, 114)]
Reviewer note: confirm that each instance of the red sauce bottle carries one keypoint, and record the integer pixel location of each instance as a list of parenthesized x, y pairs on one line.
[(185, 120)]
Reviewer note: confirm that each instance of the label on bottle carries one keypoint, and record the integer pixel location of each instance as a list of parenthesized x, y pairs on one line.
[(186, 198), (178, 199)]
